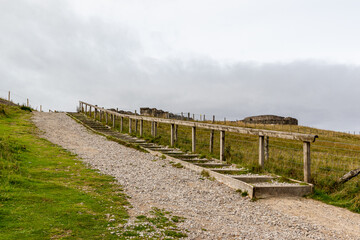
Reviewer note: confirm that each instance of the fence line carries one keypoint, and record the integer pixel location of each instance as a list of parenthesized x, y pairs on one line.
[(261, 133)]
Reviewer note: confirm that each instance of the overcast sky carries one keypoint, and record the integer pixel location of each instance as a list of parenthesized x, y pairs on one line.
[(231, 58)]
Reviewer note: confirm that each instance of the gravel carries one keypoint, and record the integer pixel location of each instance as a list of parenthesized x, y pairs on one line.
[(212, 210)]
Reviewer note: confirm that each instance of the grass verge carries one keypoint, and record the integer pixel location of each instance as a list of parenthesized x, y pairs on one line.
[(46, 193)]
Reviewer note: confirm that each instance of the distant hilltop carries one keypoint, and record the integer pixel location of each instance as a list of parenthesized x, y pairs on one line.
[(271, 119)]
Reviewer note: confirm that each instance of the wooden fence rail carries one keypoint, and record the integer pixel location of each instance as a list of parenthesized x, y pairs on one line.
[(263, 134)]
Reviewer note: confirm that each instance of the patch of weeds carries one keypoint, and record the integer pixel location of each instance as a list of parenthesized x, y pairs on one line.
[(160, 224), (205, 174), (177, 165), (284, 180), (254, 199), (204, 229), (212, 178), (201, 156), (238, 191), (163, 157), (244, 194), (25, 108)]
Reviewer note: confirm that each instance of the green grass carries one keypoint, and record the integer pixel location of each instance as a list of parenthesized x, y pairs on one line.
[(46, 193), (333, 155)]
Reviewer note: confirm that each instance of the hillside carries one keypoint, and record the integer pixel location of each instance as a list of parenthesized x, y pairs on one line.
[(333, 155)]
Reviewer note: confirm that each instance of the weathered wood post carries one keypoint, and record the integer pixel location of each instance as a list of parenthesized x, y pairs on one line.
[(222, 145), (152, 128), (176, 133), (113, 118), (307, 162), (193, 116), (9, 96), (172, 132), (211, 145), (90, 111), (85, 111), (80, 106), (193, 138), (155, 129), (107, 118), (40, 108), (100, 115), (261, 151), (182, 116), (130, 125), (204, 117), (27, 102), (121, 123), (136, 125), (188, 116), (141, 127), (95, 112), (266, 148)]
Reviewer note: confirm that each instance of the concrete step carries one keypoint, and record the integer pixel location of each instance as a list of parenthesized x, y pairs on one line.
[(230, 171), (197, 160), (213, 165), (183, 156), (252, 179)]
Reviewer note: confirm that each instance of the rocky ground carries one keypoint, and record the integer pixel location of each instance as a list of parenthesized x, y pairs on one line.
[(211, 210)]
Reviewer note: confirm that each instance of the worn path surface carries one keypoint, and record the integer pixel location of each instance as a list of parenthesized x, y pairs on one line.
[(212, 210)]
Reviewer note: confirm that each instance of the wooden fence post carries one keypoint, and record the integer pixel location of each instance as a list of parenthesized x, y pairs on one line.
[(172, 133), (136, 125), (266, 148), (141, 127), (188, 116), (193, 138), (95, 111), (307, 162), (100, 115), (121, 123), (130, 125), (107, 118), (211, 145), (113, 120), (27, 102), (176, 133), (9, 96), (261, 151), (90, 111), (40, 108), (222, 145), (152, 128), (155, 129)]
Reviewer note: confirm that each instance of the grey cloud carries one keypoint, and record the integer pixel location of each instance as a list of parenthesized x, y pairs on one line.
[(56, 58)]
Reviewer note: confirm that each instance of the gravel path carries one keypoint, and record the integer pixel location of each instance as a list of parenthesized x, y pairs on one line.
[(212, 210)]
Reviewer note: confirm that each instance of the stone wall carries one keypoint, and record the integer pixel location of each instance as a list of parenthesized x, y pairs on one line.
[(271, 119)]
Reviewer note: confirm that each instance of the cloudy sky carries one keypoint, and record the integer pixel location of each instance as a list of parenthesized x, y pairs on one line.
[(231, 58)]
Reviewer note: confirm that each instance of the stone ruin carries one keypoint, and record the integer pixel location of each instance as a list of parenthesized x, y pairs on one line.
[(153, 112), (271, 119)]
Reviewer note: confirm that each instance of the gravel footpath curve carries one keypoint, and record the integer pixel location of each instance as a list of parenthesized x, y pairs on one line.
[(151, 182)]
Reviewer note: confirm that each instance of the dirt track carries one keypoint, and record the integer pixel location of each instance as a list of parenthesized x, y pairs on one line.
[(212, 210)]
